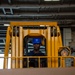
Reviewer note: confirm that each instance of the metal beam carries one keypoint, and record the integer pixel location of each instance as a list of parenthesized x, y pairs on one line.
[(61, 23), (40, 14), (11, 11), (2, 35), (37, 6), (4, 11), (7, 12), (2, 22)]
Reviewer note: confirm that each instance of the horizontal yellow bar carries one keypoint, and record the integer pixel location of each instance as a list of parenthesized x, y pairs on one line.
[(32, 23), (34, 34), (41, 57)]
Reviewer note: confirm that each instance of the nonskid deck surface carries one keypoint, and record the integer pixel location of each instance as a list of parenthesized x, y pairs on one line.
[(38, 71)]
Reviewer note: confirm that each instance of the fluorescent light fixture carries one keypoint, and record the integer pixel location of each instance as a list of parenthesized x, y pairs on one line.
[(51, 0), (6, 24)]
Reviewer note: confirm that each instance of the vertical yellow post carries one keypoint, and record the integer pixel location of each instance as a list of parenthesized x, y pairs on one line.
[(21, 46), (63, 62), (74, 62), (59, 38), (53, 47), (48, 46), (56, 49), (60, 43), (17, 52), (13, 54), (17, 45), (7, 45)]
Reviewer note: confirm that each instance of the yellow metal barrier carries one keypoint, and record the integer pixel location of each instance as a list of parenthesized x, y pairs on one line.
[(39, 57)]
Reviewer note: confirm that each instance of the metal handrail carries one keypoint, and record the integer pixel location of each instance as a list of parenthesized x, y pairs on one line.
[(39, 58)]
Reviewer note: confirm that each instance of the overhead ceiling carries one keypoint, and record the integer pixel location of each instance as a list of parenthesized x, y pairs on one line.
[(62, 11)]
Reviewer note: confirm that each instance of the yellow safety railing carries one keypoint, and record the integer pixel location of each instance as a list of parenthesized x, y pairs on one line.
[(39, 58)]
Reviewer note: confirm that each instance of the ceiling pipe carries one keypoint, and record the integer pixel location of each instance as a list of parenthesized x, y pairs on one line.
[(37, 6)]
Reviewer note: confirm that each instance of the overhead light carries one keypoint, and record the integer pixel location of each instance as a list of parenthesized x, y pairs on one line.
[(51, 0), (6, 24)]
